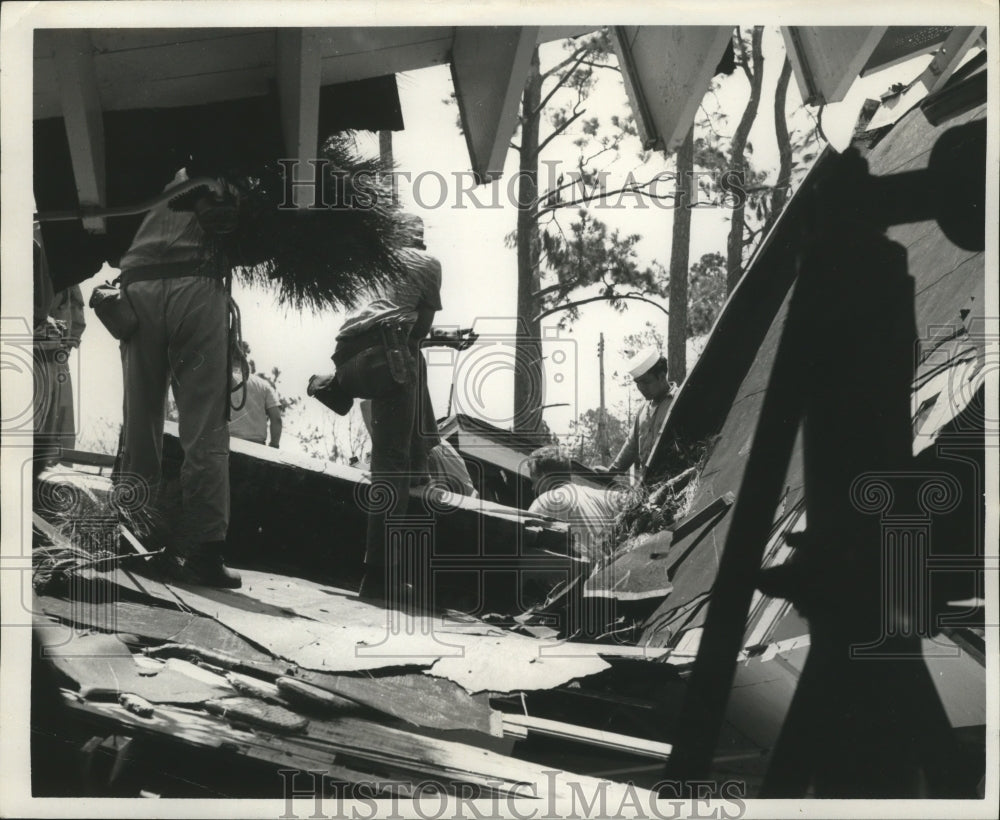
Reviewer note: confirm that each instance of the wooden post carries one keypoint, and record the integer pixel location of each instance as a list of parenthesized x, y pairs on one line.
[(385, 152)]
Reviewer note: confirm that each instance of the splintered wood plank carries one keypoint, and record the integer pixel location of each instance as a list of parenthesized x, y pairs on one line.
[(354, 750), (267, 716), (459, 762), (522, 725), (195, 729), (418, 699)]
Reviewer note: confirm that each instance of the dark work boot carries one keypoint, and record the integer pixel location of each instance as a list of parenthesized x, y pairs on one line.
[(207, 567), (203, 567)]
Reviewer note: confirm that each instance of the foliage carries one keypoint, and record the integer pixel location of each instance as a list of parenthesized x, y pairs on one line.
[(327, 256), (585, 441), (585, 252), (592, 255), (284, 402), (332, 438), (652, 509), (706, 293)]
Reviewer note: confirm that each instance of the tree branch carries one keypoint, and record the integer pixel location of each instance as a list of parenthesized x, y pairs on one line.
[(592, 64), (559, 84), (626, 189), (579, 53), (614, 298), (547, 290), (559, 131)]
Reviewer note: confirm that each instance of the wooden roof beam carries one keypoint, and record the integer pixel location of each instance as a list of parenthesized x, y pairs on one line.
[(950, 55), (73, 53), (489, 66), (298, 72), (667, 70), (827, 60)]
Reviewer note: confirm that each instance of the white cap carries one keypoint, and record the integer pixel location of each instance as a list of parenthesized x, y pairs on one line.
[(643, 361)]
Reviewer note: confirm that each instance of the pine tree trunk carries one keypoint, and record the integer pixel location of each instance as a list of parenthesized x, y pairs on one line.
[(734, 245), (528, 373), (680, 246), (780, 195)]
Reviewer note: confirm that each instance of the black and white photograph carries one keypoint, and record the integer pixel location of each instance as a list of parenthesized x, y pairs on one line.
[(485, 410)]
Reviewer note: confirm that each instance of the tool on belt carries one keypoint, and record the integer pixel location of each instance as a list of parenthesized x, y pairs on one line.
[(236, 353), (383, 365), (372, 365), (113, 307)]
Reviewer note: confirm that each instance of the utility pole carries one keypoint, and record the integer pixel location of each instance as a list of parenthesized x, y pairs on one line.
[(602, 438)]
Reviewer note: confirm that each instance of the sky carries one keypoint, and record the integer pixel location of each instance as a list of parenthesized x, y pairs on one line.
[(479, 270)]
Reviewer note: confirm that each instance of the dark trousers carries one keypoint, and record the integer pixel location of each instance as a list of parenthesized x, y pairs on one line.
[(403, 431)]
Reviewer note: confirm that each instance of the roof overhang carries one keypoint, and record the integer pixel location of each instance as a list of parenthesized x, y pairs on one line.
[(667, 70), (827, 60), (81, 75)]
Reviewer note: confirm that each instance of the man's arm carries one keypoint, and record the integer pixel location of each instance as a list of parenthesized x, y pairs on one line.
[(273, 409), (274, 418), (77, 321), (629, 452)]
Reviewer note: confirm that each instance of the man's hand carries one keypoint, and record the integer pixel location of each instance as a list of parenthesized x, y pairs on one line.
[(455, 339), (469, 340), (54, 328)]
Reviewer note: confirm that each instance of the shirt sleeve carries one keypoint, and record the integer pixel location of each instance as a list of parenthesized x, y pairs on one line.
[(270, 397), (78, 322), (430, 276)]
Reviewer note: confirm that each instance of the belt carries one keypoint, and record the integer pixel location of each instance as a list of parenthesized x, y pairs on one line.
[(350, 346), (170, 270)]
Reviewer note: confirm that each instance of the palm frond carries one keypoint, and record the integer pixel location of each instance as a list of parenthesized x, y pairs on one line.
[(325, 256)]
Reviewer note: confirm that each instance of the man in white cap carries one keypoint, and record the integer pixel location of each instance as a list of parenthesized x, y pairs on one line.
[(649, 372)]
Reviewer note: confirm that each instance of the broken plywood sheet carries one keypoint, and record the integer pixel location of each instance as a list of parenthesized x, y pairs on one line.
[(152, 623), (637, 571), (102, 666), (505, 665), (288, 591), (353, 635), (420, 700)]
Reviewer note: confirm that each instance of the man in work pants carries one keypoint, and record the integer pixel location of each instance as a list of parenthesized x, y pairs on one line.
[(403, 428), (174, 280)]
